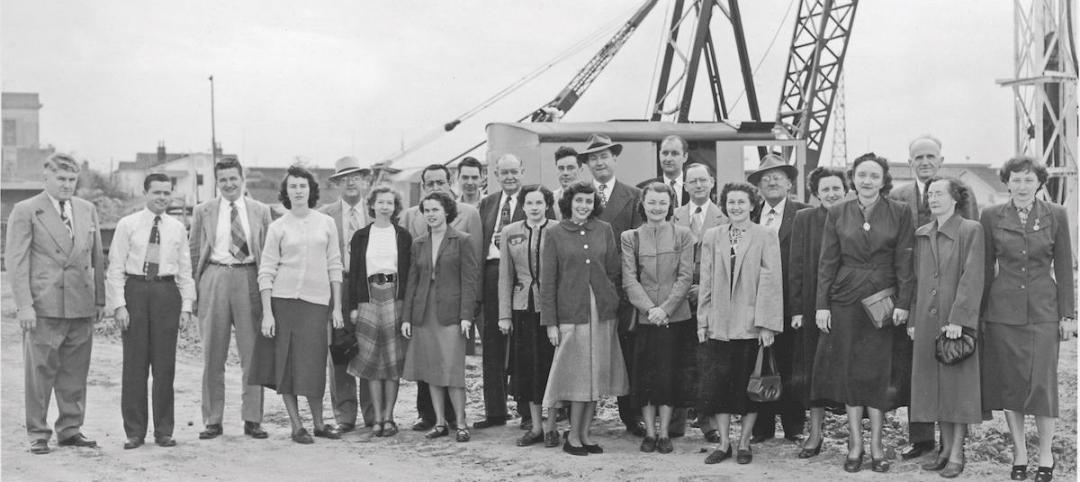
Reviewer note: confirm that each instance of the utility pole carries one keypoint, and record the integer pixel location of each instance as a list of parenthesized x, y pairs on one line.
[(213, 141)]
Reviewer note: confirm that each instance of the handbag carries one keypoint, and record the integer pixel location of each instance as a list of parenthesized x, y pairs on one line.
[(879, 307), (950, 351), (343, 346), (764, 387)]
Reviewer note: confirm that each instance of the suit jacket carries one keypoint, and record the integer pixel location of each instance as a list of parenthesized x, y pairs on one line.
[(519, 275), (55, 274), (683, 198), (713, 218), (786, 223), (466, 222), (489, 212), (908, 195), (358, 274), (457, 275), (334, 211), (1019, 286), (739, 310), (204, 230), (623, 209)]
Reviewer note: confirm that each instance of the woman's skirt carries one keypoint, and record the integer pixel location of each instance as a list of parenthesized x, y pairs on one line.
[(382, 348), (298, 351), (662, 366), (1019, 368), (436, 353), (531, 358), (725, 368), (588, 363), (802, 366)]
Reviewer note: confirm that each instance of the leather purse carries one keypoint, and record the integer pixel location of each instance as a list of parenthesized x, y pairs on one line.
[(879, 307), (343, 346), (950, 351), (764, 387)]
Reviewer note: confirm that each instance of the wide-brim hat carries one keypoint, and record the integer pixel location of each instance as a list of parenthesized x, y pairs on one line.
[(597, 143), (769, 163), (348, 165)]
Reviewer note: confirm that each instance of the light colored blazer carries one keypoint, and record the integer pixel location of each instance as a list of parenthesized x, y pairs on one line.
[(518, 278), (713, 218), (334, 211), (658, 269), (54, 274), (739, 312), (204, 229)]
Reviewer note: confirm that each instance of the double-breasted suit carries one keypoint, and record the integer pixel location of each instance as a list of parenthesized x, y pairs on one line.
[(57, 277)]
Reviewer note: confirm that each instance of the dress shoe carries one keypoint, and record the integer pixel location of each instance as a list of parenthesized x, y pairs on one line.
[(551, 439), (39, 446), (327, 431), (1045, 474), (1018, 472), (712, 436), (636, 429), (664, 445), (165, 441), (526, 424), (938, 463), (347, 427), (648, 444), (916, 450), (879, 465), (133, 443), (489, 422), (572, 450), (593, 449), (302, 437), (717, 456), (437, 431), (254, 430), (952, 470), (422, 425), (756, 439), (463, 434), (806, 453), (389, 429), (212, 431), (793, 438), (529, 439), (744, 456), (77, 440), (853, 465)]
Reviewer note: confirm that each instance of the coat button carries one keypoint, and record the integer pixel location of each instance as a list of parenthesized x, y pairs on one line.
[(586, 246), (1021, 286), (588, 261), (583, 233), (933, 311), (935, 275), (933, 292)]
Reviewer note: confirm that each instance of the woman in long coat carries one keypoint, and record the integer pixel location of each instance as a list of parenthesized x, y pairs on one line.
[(949, 262), (866, 248), (1029, 306), (830, 187)]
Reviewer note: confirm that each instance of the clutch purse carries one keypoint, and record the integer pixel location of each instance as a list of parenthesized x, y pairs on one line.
[(950, 351), (764, 387), (343, 346), (879, 307)]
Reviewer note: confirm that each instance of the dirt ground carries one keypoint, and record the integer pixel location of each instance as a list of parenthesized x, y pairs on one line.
[(491, 455)]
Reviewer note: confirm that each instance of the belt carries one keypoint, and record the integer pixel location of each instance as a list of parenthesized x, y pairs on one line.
[(382, 278), (233, 265), (170, 278)]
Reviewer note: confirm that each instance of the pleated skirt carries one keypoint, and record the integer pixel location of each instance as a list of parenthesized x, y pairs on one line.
[(382, 348), (294, 361), (588, 363)]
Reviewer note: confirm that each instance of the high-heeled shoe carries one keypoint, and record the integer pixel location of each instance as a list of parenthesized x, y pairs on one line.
[(853, 465), (1045, 474), (1018, 472), (939, 463), (806, 453), (879, 465), (952, 470)]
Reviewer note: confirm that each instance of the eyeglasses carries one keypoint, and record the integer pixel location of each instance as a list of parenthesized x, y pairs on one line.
[(702, 181)]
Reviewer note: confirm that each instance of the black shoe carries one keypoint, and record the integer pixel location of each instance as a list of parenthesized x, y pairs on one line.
[(348, 427), (212, 431), (952, 470), (756, 439), (529, 439), (133, 443), (717, 456), (853, 465), (40, 446), (879, 465), (712, 436), (437, 431), (489, 422), (793, 437), (526, 424), (648, 444), (676, 434), (165, 441), (572, 450), (1019, 472), (806, 453), (389, 429), (636, 429), (916, 449), (744, 456), (937, 464), (463, 434), (551, 439), (594, 448), (253, 430), (664, 445), (1044, 474), (327, 431), (302, 437), (77, 440)]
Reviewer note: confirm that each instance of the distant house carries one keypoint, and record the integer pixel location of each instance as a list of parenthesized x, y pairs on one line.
[(192, 173), (981, 178), (22, 154)]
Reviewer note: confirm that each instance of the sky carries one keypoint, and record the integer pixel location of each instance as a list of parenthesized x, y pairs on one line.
[(322, 79)]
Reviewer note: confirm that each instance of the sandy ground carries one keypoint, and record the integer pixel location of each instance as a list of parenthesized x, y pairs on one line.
[(491, 455)]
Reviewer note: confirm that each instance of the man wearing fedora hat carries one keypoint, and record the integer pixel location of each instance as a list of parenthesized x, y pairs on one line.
[(620, 202), (349, 214), (774, 179)]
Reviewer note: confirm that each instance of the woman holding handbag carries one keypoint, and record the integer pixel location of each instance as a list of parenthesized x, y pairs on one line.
[(658, 269), (864, 291), (738, 315), (949, 262)]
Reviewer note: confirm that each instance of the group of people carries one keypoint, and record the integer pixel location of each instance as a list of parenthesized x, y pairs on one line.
[(655, 294)]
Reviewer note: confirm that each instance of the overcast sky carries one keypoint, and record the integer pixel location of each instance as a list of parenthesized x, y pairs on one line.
[(322, 79)]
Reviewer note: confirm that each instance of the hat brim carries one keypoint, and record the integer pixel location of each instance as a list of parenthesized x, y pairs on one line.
[(755, 176), (614, 147), (346, 172)]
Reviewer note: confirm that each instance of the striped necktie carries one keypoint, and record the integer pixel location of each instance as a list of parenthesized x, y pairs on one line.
[(153, 251), (239, 248), (66, 219)]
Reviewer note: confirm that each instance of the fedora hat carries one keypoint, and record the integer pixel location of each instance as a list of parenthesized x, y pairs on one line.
[(770, 162), (597, 143), (347, 165)]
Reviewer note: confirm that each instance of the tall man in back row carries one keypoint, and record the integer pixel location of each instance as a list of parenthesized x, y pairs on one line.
[(673, 154), (57, 273), (226, 239)]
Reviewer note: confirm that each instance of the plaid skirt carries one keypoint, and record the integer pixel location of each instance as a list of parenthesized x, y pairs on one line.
[(382, 348)]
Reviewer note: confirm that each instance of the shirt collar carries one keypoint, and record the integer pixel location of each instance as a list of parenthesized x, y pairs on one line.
[(240, 205), (345, 207), (610, 183), (678, 180), (56, 202), (779, 207)]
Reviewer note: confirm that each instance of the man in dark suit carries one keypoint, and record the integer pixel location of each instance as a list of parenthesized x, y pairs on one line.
[(673, 153), (56, 271), (774, 179), (621, 204)]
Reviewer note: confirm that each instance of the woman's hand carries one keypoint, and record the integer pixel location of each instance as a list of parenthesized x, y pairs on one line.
[(406, 330), (354, 316), (911, 332), (766, 337), (657, 316), (336, 319), (692, 294), (268, 324), (1067, 328), (824, 320), (899, 317), (466, 329), (553, 335), (796, 321), (702, 335), (505, 326), (952, 331)]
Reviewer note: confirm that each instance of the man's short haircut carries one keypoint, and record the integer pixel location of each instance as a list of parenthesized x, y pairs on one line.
[(434, 167), (708, 169), (155, 177), (682, 142), (567, 151), (62, 162), (928, 137), (228, 162), (470, 162)]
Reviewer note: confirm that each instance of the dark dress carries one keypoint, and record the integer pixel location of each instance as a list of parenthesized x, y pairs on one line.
[(857, 364), (530, 358)]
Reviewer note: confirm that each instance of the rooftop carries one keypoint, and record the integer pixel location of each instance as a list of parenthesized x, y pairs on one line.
[(20, 100)]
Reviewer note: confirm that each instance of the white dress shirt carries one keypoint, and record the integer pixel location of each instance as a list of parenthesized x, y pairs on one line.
[(777, 218), (678, 187), (63, 212), (493, 249), (221, 251), (346, 233), (127, 254)]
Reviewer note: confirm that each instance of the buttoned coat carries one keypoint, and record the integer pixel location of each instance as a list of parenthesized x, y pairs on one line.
[(456, 275), (740, 310), (1020, 288), (574, 258), (658, 269), (519, 277), (203, 231), (908, 195), (622, 208), (787, 221), (54, 273)]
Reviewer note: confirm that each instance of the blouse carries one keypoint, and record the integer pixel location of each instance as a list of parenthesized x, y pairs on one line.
[(301, 258)]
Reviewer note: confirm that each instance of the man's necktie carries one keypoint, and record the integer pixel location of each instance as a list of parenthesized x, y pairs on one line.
[(66, 219), (153, 251), (504, 218), (924, 204), (351, 227), (239, 248), (695, 222), (770, 218), (603, 195)]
